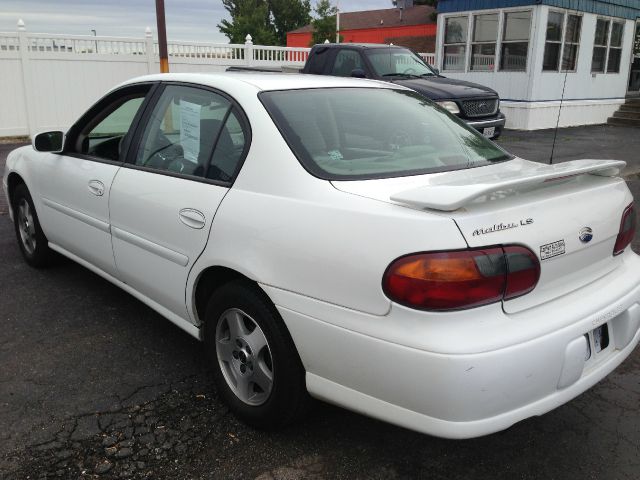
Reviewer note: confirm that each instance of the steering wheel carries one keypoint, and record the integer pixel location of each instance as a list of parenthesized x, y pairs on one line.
[(409, 71)]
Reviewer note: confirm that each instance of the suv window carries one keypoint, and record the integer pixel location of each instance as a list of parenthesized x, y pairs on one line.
[(318, 60), (389, 62), (346, 62), (366, 133), (185, 127)]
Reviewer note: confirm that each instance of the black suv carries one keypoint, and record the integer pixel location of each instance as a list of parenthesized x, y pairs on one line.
[(477, 105)]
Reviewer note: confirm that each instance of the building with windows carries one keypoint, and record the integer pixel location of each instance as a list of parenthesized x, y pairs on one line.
[(571, 60)]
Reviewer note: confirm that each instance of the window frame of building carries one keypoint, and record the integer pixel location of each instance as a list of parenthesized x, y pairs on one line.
[(503, 24), (473, 42), (566, 42), (468, 45), (557, 42), (464, 44), (609, 22), (600, 46), (563, 42), (617, 47)]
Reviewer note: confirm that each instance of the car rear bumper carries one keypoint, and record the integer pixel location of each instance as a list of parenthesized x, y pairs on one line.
[(464, 395)]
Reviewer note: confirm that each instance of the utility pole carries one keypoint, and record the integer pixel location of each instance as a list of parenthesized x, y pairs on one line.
[(337, 21), (162, 37)]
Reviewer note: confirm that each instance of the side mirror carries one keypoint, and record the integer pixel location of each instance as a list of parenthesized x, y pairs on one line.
[(435, 70), (358, 73), (48, 142)]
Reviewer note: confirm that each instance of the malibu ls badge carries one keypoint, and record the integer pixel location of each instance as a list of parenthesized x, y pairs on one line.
[(497, 227)]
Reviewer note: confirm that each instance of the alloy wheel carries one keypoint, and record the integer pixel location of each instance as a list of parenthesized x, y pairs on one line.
[(26, 226), (244, 357)]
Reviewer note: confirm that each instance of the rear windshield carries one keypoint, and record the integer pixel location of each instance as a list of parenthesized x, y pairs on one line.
[(366, 133)]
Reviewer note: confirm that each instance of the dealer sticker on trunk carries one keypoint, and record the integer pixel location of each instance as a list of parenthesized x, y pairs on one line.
[(552, 249)]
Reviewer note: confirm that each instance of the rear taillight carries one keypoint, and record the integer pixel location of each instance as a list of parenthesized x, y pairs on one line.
[(627, 230), (461, 279)]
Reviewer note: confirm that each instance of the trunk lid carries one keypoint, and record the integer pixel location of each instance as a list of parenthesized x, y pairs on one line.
[(567, 214)]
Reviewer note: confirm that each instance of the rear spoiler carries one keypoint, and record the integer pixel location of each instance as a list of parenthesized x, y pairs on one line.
[(450, 191)]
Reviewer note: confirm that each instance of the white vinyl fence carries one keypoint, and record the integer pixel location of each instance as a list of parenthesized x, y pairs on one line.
[(47, 81)]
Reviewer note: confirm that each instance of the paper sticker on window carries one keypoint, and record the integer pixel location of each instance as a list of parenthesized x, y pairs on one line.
[(190, 129), (335, 155)]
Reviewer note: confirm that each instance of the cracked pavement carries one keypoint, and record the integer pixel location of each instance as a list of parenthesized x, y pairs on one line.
[(93, 384)]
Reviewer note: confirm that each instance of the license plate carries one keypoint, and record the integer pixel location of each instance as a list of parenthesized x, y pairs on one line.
[(489, 132)]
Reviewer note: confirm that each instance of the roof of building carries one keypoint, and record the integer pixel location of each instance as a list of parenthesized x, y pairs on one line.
[(629, 9), (417, 43), (388, 17)]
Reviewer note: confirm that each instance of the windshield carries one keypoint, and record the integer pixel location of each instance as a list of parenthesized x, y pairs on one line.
[(364, 133), (388, 62)]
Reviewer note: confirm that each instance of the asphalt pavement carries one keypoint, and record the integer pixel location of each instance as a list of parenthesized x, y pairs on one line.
[(93, 384)]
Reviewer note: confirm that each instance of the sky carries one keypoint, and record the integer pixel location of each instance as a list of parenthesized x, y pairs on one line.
[(193, 20)]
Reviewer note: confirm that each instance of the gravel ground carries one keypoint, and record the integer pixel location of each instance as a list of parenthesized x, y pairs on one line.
[(94, 384)]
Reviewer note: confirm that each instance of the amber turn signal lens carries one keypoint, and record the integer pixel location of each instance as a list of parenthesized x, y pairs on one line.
[(460, 279)]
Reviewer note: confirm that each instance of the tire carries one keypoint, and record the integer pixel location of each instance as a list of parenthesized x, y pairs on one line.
[(31, 239), (237, 314)]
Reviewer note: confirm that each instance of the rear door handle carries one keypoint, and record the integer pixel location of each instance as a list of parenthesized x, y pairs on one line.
[(96, 187), (192, 218)]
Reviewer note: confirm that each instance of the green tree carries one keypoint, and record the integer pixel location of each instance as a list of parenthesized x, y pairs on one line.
[(248, 17), (324, 23), (267, 21), (288, 15)]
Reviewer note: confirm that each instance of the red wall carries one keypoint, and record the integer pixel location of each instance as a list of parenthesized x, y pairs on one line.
[(367, 35)]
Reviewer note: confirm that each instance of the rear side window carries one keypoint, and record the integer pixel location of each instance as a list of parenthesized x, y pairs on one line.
[(364, 133), (192, 132), (319, 60)]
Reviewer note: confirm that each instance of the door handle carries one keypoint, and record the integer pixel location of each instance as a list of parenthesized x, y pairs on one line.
[(192, 218), (96, 187)]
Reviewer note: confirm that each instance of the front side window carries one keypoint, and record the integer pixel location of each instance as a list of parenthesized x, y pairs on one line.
[(103, 136), (483, 47), (192, 132), (389, 62), (515, 41), (346, 62), (364, 133), (455, 43)]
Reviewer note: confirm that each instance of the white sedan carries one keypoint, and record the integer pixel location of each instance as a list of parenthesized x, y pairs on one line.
[(342, 239)]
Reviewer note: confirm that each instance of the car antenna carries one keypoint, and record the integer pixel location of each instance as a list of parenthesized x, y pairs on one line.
[(564, 85)]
